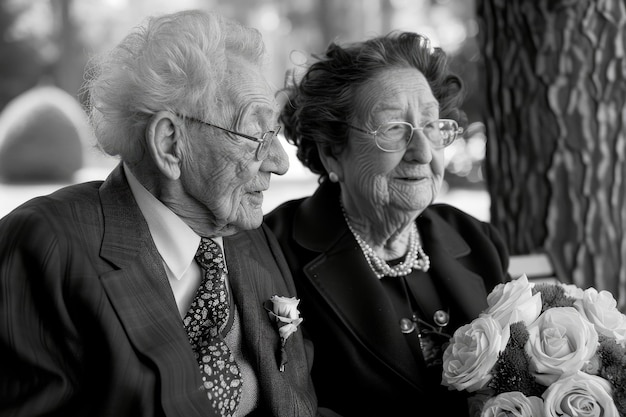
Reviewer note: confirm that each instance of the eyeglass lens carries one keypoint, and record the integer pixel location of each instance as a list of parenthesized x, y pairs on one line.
[(395, 136), (264, 147)]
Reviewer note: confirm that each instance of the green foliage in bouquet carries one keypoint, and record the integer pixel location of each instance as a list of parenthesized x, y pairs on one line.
[(553, 296), (612, 364), (511, 371)]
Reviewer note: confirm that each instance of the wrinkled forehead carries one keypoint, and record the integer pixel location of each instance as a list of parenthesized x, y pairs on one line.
[(394, 88), (248, 87)]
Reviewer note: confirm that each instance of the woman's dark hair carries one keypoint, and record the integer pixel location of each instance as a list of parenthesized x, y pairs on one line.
[(322, 101)]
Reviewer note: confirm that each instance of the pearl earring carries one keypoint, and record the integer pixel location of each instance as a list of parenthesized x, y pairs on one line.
[(333, 177)]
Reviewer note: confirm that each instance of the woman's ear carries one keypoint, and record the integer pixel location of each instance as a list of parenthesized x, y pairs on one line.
[(162, 138), (330, 159)]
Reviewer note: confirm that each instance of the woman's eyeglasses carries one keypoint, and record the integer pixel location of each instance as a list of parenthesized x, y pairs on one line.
[(264, 143), (396, 136)]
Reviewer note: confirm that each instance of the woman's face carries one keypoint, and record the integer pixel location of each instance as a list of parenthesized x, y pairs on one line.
[(407, 180)]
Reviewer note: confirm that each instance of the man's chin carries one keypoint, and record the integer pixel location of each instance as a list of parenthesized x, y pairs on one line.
[(249, 218)]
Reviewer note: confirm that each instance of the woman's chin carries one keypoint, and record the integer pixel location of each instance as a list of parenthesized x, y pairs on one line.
[(413, 200)]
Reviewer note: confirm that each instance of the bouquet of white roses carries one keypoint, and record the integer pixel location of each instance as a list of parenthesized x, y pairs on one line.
[(542, 350)]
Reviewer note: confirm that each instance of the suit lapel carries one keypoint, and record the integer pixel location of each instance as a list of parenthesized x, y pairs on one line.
[(243, 278), (140, 294), (253, 280)]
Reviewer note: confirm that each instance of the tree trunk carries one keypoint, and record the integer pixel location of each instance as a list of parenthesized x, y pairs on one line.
[(555, 91)]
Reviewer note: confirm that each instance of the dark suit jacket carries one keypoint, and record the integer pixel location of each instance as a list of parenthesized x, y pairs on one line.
[(89, 325), (363, 364)]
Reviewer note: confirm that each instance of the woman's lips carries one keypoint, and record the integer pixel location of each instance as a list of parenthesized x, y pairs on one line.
[(413, 178)]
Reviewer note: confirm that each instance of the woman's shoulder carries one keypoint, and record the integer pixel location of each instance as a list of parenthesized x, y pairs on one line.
[(285, 208), (463, 223), (281, 219), (282, 212), (479, 234), (453, 214), (310, 208)]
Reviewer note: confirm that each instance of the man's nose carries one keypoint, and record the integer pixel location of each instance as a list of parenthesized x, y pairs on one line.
[(277, 160)]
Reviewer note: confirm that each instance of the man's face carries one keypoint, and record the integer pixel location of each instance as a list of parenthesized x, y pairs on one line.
[(221, 172)]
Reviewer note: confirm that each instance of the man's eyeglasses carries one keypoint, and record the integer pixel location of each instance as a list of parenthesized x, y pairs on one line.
[(396, 136), (264, 143)]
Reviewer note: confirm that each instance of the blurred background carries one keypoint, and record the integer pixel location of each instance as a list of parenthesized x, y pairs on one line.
[(45, 142)]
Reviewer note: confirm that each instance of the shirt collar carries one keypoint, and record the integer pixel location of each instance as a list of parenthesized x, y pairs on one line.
[(176, 242)]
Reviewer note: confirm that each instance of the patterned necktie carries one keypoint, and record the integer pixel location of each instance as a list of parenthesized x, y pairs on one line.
[(205, 319)]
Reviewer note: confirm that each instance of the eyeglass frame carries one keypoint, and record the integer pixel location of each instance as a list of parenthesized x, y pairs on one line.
[(458, 131), (260, 141)]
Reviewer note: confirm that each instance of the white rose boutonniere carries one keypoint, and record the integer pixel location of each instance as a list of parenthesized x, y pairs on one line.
[(284, 312)]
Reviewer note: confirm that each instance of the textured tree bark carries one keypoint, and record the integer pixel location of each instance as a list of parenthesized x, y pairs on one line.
[(555, 85)]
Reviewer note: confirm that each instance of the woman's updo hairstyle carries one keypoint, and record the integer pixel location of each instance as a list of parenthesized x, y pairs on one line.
[(322, 101)]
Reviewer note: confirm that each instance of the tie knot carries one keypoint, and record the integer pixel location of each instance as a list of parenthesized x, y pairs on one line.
[(210, 254)]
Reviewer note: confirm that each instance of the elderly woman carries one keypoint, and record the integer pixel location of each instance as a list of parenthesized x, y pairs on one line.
[(384, 274), (147, 294)]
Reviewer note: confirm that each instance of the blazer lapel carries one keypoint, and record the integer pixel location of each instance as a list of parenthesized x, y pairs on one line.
[(140, 293), (464, 290), (342, 277)]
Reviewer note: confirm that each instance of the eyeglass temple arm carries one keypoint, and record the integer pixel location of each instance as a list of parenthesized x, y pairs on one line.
[(243, 135)]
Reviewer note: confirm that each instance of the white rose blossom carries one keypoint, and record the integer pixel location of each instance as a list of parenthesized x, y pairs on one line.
[(563, 362), (579, 394), (513, 404), (561, 341), (572, 291), (514, 301), (472, 353), (286, 307), (600, 308), (284, 311)]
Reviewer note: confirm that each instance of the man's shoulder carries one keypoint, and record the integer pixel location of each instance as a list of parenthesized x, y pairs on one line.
[(68, 202), (84, 192), (68, 218)]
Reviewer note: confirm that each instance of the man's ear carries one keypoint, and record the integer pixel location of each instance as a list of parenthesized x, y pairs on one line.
[(162, 139), (330, 159)]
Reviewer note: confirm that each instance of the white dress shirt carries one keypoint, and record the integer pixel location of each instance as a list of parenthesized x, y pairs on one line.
[(177, 244)]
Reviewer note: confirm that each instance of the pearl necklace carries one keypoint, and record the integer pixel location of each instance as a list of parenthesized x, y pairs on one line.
[(415, 258)]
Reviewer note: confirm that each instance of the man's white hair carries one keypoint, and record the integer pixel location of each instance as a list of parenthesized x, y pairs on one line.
[(176, 62)]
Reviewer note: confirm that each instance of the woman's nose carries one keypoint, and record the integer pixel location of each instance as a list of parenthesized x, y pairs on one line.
[(420, 148)]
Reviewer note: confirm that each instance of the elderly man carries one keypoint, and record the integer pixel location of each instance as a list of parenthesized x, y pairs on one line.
[(148, 294)]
